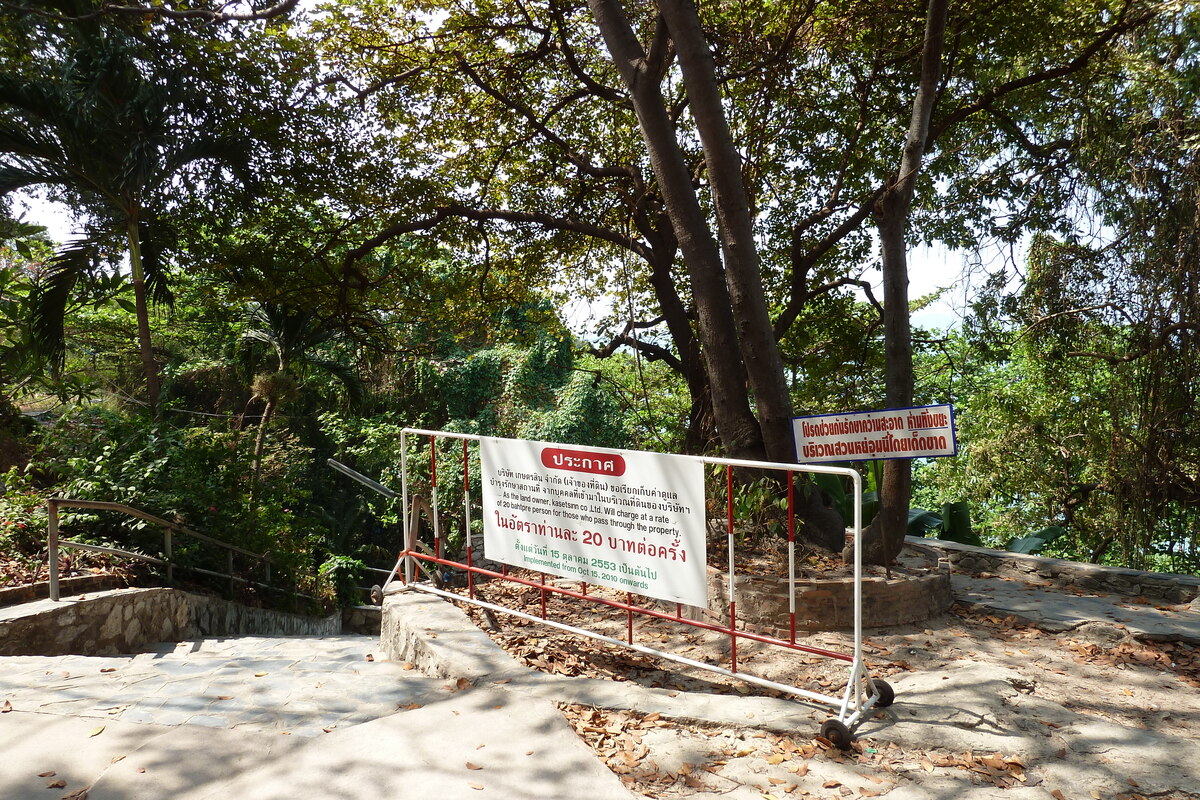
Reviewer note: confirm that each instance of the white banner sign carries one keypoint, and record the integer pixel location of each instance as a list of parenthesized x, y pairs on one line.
[(625, 519), (920, 432)]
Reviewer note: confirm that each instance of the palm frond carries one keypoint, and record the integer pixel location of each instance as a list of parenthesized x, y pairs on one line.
[(14, 177), (52, 294), (153, 265)]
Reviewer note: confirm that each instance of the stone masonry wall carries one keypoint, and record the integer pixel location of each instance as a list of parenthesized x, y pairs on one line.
[(1168, 588), (128, 620), (762, 602), (362, 619)]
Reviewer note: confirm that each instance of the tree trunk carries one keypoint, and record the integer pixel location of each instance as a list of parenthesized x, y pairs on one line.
[(735, 422), (699, 432), (734, 322), (259, 442), (885, 536), (149, 366), (760, 351)]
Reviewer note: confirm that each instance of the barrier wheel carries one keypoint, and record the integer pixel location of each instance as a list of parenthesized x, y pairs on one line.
[(837, 733), (377, 595), (887, 695)]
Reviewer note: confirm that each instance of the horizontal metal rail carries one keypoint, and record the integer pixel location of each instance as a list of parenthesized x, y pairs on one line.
[(104, 505), (112, 551), (363, 479), (650, 651), (643, 610), (53, 504)]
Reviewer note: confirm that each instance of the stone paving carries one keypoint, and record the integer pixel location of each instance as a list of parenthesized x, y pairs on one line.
[(277, 718), (1056, 611), (305, 686)]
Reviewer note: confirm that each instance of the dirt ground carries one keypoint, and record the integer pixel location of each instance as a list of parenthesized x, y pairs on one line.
[(1144, 689)]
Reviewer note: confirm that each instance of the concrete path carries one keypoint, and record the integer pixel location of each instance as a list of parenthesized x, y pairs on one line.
[(1056, 611), (259, 717)]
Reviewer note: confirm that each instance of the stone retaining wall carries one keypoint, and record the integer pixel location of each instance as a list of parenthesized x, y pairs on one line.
[(1165, 587), (362, 619), (827, 604), (128, 620)]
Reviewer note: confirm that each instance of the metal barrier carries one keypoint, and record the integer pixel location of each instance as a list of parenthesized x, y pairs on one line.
[(168, 560), (861, 693)]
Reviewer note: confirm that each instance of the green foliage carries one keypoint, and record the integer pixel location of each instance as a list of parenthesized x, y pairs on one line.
[(1036, 542), (22, 515), (340, 575), (196, 476), (759, 507), (952, 524)]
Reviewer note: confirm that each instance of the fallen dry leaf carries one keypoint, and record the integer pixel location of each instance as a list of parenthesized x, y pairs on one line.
[(476, 786), (109, 669), (78, 794), (224, 697), (995, 762), (115, 759), (473, 766), (259, 674), (1058, 795), (96, 731), (58, 784), (49, 774), (370, 657), (7, 707)]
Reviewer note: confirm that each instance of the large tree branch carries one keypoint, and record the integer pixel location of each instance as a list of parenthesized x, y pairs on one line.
[(1071, 311), (804, 260), (1155, 345), (1074, 65), (720, 349), (735, 225), (547, 221), (591, 84), (651, 351), (540, 126)]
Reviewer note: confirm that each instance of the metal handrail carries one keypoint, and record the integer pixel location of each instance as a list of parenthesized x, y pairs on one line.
[(54, 543)]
